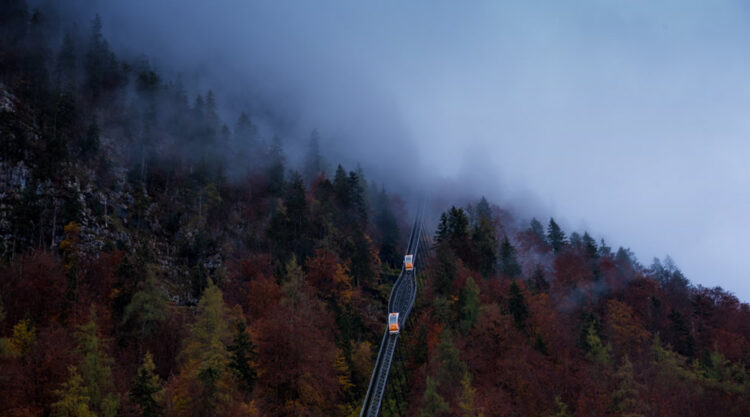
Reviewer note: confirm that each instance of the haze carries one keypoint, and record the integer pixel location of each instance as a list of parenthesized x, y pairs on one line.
[(628, 119)]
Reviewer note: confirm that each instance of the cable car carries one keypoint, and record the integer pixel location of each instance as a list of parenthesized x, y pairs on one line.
[(393, 323), (409, 262)]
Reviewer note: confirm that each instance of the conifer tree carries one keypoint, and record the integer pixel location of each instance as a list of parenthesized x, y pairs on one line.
[(517, 307), (147, 308), (509, 264), (555, 236), (146, 390), (96, 370), (597, 352), (205, 357), (243, 356), (451, 367), (625, 396), (73, 398), (484, 243), (466, 400), (469, 302), (537, 229)]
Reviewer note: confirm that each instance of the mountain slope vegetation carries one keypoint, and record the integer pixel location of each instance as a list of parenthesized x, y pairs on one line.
[(159, 260)]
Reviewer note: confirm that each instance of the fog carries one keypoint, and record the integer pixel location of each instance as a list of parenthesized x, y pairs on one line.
[(627, 119)]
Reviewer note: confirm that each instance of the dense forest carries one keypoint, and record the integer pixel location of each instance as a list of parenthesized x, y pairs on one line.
[(144, 274)]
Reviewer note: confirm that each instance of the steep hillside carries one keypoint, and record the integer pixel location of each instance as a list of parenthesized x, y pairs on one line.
[(158, 260)]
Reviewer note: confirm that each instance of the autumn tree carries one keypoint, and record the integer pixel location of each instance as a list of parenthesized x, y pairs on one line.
[(96, 370), (73, 398), (625, 398), (146, 391), (204, 380), (433, 404)]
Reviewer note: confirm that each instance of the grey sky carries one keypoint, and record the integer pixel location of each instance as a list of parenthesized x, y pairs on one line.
[(629, 119)]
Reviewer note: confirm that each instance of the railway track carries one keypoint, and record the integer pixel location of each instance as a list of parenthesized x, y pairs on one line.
[(401, 301)]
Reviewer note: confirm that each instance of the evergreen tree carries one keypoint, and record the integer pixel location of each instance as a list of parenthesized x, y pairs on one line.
[(537, 283), (484, 243), (243, 356), (589, 245), (517, 307), (445, 270), (682, 339), (441, 235), (341, 188), (451, 367), (146, 309), (146, 391), (537, 229), (469, 302), (508, 263), (555, 236)]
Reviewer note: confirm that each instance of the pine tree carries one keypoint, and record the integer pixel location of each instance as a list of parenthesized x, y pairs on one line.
[(555, 236), (146, 390), (484, 245), (537, 229), (341, 188), (243, 356), (509, 264), (517, 307)]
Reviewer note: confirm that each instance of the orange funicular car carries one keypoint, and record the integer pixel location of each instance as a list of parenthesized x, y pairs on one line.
[(393, 323), (409, 262)]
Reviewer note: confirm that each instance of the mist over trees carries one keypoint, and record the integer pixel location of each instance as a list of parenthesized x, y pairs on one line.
[(158, 260)]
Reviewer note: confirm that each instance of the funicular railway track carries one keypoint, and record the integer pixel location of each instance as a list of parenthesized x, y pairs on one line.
[(401, 301)]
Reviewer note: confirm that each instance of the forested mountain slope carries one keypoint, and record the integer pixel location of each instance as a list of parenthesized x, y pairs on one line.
[(158, 260)]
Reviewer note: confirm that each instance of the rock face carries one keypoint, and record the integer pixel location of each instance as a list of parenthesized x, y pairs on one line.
[(112, 210)]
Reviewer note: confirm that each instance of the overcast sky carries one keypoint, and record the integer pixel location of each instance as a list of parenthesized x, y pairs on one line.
[(625, 118)]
